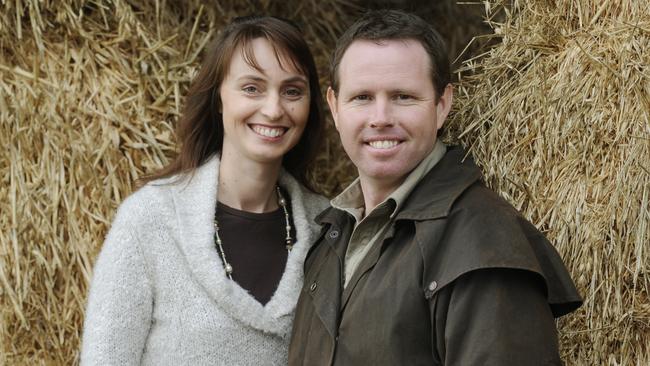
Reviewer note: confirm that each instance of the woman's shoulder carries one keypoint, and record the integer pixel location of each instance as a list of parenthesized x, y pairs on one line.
[(315, 204), (145, 205), (317, 201), (312, 202)]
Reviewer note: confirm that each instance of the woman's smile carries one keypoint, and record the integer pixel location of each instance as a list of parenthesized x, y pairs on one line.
[(268, 132)]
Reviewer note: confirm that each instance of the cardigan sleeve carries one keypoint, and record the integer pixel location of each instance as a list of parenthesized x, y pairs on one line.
[(494, 317), (118, 313)]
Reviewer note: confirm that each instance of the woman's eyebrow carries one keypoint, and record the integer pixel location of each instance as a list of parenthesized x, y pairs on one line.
[(296, 78), (251, 77), (258, 78)]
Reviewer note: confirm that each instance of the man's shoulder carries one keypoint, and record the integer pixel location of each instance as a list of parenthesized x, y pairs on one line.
[(481, 222), (482, 232), (479, 201)]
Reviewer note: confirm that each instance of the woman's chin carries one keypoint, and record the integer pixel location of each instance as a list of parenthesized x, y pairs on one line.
[(261, 156)]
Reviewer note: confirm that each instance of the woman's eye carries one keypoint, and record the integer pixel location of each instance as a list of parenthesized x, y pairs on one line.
[(293, 92), (250, 89)]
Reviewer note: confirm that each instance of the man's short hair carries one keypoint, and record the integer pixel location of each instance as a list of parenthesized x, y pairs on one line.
[(379, 25)]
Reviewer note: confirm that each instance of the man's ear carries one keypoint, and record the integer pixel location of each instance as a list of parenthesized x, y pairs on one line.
[(444, 105), (331, 101)]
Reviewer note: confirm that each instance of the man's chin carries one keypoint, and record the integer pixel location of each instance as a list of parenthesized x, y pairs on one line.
[(384, 174)]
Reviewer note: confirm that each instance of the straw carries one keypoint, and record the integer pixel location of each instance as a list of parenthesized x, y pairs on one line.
[(558, 116), (556, 112)]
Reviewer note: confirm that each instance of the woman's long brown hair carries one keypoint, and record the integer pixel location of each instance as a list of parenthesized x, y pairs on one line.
[(200, 128)]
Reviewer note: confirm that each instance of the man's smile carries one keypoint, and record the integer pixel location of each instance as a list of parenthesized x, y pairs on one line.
[(383, 144)]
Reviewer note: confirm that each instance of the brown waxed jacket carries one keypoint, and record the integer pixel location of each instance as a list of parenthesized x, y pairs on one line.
[(460, 279)]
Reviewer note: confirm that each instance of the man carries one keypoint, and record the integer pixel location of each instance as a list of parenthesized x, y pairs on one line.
[(418, 263)]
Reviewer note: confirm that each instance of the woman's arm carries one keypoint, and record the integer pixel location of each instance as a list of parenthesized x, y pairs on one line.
[(118, 314)]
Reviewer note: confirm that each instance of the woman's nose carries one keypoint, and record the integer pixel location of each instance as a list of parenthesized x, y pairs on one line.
[(272, 108)]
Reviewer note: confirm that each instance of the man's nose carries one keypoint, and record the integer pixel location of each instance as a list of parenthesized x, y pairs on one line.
[(272, 108), (381, 115)]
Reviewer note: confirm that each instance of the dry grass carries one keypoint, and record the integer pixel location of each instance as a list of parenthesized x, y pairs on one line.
[(90, 92), (558, 115)]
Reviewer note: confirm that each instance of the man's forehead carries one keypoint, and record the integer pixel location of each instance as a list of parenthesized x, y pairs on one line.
[(383, 46), (399, 62)]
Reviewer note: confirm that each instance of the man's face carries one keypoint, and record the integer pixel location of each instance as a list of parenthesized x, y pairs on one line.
[(386, 111)]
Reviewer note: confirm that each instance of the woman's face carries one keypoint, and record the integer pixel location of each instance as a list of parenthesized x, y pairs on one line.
[(264, 112)]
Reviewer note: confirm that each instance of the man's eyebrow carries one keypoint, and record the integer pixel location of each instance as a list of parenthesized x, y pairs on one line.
[(353, 91), (402, 91)]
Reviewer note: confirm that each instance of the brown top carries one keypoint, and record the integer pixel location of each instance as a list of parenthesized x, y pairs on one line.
[(254, 244)]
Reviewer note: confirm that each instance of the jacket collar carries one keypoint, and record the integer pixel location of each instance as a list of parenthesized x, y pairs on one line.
[(433, 197), (194, 200), (434, 194)]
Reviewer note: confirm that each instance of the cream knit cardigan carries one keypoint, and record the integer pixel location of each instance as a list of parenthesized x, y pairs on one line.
[(159, 294)]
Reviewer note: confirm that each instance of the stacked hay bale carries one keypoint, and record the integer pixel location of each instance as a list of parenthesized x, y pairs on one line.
[(89, 95), (90, 92), (558, 115)]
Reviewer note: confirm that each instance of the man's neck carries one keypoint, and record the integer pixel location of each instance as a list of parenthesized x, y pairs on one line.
[(247, 185), (375, 192)]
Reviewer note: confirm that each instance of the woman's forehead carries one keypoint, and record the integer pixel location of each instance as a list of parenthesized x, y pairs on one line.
[(259, 52)]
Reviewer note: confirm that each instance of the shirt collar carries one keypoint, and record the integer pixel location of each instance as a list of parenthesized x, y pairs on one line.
[(351, 199)]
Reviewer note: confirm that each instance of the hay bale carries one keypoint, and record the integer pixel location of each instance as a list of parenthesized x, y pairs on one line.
[(90, 92), (461, 23), (558, 117)]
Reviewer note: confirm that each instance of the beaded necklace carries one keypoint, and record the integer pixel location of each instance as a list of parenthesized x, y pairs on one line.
[(289, 245)]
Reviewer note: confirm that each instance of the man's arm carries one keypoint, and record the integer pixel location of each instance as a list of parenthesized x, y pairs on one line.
[(494, 317)]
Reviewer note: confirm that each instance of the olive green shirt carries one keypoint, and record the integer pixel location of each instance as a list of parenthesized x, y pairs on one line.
[(372, 228)]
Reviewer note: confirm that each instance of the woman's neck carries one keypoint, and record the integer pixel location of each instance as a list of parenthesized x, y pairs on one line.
[(248, 185)]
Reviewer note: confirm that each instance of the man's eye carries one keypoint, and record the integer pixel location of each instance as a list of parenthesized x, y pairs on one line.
[(362, 97), (404, 97)]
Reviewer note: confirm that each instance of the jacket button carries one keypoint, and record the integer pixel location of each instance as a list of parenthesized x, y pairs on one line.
[(334, 234), (313, 286), (433, 285)]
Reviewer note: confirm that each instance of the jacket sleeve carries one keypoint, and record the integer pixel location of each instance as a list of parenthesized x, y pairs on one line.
[(118, 313), (494, 317)]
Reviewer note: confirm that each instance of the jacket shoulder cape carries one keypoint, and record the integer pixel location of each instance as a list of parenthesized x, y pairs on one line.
[(484, 232)]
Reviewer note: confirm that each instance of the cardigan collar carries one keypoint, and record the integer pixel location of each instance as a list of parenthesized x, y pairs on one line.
[(195, 200)]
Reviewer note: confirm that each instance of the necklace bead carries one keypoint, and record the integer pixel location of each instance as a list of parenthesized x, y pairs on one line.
[(217, 239)]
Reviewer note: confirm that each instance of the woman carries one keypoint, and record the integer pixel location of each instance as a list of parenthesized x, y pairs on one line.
[(203, 265)]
